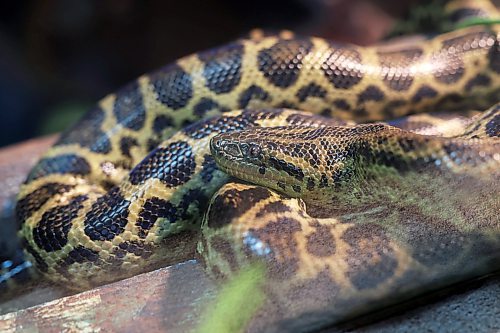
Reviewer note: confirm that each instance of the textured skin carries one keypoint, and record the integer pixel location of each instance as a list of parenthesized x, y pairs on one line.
[(116, 193), (335, 166)]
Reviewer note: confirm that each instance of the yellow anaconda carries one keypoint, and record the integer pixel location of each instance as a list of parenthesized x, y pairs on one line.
[(121, 193)]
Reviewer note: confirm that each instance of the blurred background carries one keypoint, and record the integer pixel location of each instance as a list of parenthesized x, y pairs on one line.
[(58, 57)]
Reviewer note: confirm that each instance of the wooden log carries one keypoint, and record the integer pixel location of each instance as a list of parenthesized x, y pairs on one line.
[(175, 298)]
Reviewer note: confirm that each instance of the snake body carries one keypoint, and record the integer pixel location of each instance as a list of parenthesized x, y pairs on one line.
[(123, 191)]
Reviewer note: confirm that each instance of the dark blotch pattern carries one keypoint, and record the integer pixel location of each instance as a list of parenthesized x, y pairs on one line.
[(208, 168), (222, 124), (51, 232), (61, 164), (342, 104), (395, 67), (153, 209), (161, 123), (107, 217), (289, 168), (81, 254), (273, 208), (252, 93), (371, 93), (370, 258), (222, 70), (448, 63), (479, 80), (343, 67), (129, 107), (173, 165), (424, 92), (126, 143), (311, 90), (206, 104), (281, 63), (88, 133), (279, 236), (320, 243), (173, 86), (138, 248), (434, 241), (232, 203), (35, 200)]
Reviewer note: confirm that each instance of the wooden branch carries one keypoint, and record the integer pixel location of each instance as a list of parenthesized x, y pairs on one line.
[(173, 299)]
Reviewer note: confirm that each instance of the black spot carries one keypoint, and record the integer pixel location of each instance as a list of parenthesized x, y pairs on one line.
[(310, 184), (281, 185), (280, 237), (262, 170), (311, 90), (192, 203), (252, 93), (233, 203), (222, 69), (152, 144), (129, 107), (208, 168), (126, 143), (138, 248), (424, 92), (371, 93), (173, 165), (88, 133), (326, 112), (343, 67), (224, 123), (282, 62), (289, 168), (448, 65), (389, 110), (205, 105), (173, 86), (492, 128), (162, 122), (35, 200), (152, 210), (287, 105), (61, 164), (51, 232), (342, 104), (107, 217), (370, 256), (320, 243), (323, 181), (275, 207), (81, 254), (297, 188), (479, 80), (396, 67)]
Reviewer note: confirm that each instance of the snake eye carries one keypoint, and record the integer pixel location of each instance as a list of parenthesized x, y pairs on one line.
[(254, 151)]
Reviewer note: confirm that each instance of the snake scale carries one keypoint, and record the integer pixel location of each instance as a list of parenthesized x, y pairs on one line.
[(122, 191)]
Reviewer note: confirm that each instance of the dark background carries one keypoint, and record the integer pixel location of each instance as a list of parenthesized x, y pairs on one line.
[(58, 57)]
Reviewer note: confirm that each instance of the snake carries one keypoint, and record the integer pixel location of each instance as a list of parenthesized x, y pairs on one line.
[(124, 190)]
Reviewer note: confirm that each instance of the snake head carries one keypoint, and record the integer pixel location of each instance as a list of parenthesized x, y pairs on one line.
[(291, 160)]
